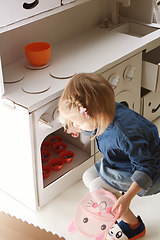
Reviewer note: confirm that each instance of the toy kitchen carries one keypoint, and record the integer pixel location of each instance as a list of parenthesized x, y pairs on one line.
[(117, 39)]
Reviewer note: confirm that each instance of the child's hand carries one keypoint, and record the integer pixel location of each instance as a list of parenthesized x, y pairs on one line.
[(75, 135), (123, 204), (124, 201), (73, 131)]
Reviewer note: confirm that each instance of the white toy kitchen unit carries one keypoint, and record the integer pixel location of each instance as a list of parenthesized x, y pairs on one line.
[(30, 127), (30, 95)]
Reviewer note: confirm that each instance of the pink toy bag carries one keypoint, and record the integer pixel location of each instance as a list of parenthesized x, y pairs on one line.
[(93, 216)]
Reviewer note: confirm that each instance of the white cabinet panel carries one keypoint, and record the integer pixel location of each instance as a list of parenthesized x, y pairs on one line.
[(151, 70), (151, 106), (16, 10)]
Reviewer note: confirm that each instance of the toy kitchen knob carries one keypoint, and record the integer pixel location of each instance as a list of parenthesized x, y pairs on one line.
[(56, 116), (45, 121), (113, 80), (129, 73)]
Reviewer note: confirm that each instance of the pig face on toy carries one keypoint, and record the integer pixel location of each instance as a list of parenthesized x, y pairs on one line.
[(93, 216)]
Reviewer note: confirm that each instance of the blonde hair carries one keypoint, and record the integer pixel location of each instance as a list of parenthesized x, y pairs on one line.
[(90, 91)]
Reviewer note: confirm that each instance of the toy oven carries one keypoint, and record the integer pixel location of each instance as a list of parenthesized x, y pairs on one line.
[(28, 123)]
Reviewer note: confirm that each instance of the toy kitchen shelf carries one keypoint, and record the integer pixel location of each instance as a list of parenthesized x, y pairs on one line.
[(28, 14)]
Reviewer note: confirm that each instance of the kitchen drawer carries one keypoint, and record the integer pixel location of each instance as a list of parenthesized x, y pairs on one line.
[(151, 70), (151, 105), (16, 10)]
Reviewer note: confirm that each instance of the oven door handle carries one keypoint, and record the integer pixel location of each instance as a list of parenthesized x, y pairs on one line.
[(45, 121)]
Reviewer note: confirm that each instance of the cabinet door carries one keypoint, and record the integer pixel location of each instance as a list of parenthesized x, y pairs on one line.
[(126, 81), (17, 165), (16, 10)]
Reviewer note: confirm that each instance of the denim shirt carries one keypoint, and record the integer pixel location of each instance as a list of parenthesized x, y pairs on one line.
[(130, 144)]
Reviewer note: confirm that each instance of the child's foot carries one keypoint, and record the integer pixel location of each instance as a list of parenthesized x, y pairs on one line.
[(133, 233), (123, 231)]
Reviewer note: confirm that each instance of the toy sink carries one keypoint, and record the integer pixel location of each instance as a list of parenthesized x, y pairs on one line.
[(134, 29)]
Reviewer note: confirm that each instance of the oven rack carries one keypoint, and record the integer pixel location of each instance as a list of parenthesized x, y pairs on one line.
[(80, 156)]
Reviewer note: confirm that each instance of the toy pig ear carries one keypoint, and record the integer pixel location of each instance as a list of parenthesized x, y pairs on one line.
[(72, 228), (101, 237)]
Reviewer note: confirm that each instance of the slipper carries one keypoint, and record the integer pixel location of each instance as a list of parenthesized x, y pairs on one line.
[(115, 233), (122, 231)]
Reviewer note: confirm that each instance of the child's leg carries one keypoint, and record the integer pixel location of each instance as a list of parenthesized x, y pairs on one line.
[(89, 175), (92, 180), (98, 183)]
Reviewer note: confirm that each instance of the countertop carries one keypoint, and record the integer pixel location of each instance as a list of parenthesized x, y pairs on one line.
[(96, 50)]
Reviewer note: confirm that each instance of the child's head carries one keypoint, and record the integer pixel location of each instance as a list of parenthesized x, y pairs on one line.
[(88, 102)]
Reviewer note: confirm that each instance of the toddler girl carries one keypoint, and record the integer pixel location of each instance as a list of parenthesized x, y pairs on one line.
[(129, 143)]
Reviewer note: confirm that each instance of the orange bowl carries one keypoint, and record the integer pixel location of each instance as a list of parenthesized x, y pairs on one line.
[(59, 147), (45, 155), (45, 145), (38, 53), (56, 164), (46, 170), (55, 139), (67, 156)]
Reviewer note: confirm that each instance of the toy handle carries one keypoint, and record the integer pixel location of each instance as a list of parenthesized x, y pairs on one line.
[(114, 214)]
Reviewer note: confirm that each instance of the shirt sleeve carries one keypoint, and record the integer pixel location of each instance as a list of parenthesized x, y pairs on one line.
[(142, 179), (143, 163)]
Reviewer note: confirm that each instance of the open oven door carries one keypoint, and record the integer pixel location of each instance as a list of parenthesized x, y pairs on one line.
[(2, 91)]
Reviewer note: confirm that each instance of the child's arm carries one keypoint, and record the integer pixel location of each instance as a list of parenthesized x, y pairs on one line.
[(124, 201)]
